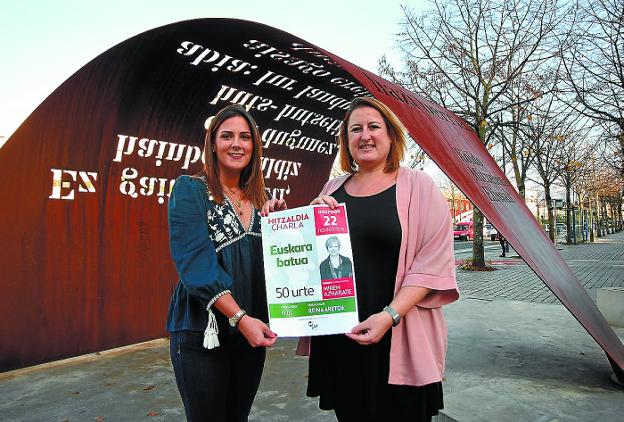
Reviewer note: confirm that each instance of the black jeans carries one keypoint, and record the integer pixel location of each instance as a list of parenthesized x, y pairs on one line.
[(215, 385)]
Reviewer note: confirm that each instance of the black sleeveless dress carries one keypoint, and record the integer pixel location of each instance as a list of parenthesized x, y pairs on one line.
[(350, 378)]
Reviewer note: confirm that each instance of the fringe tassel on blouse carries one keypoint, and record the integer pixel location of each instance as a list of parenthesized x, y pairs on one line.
[(211, 338)]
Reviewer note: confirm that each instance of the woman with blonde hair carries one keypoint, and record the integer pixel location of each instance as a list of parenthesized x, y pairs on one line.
[(390, 366)]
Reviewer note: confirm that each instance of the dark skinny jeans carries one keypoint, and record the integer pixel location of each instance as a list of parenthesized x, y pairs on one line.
[(217, 385)]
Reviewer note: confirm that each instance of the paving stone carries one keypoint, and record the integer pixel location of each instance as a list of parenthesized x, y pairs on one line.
[(597, 265)]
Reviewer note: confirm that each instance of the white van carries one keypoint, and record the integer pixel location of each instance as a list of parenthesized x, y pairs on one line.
[(489, 232)]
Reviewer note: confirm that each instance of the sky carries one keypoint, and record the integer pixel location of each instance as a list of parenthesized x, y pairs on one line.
[(43, 42)]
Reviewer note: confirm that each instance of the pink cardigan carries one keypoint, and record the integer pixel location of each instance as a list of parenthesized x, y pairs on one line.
[(426, 259)]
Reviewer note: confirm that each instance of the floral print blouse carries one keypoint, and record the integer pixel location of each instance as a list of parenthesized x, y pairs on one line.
[(212, 252)]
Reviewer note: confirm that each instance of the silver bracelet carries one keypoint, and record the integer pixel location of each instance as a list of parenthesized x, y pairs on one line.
[(217, 297), (396, 318)]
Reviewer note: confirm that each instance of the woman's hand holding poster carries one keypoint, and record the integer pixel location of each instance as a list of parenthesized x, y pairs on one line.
[(309, 271)]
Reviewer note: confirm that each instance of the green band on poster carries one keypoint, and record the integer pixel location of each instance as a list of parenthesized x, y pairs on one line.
[(300, 309)]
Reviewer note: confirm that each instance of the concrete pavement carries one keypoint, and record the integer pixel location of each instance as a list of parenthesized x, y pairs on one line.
[(515, 354)]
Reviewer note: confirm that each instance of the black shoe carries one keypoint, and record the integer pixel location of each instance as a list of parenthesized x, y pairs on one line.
[(502, 256)]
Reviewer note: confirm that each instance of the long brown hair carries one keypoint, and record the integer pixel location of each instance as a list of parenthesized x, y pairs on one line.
[(396, 133), (251, 180)]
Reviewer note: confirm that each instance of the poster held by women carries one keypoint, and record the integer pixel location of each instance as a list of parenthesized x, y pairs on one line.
[(309, 272)]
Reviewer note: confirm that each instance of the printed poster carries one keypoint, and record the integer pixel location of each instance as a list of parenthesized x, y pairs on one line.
[(309, 274)]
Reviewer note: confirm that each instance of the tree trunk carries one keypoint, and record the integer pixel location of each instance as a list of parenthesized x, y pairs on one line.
[(552, 227), (568, 217), (521, 189), (621, 140), (603, 218), (518, 176), (478, 257), (612, 218), (583, 223), (592, 222), (598, 219)]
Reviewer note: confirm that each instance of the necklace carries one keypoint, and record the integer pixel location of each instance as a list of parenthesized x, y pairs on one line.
[(235, 201)]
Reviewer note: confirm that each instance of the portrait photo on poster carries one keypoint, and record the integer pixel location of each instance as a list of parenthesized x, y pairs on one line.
[(334, 264)]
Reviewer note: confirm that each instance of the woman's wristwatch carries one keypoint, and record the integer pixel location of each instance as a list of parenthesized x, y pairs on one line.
[(235, 319), (396, 318)]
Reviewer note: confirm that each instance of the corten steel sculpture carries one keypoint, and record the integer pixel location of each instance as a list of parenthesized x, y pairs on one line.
[(86, 177)]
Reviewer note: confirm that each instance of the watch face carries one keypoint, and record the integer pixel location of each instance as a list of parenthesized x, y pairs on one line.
[(233, 320)]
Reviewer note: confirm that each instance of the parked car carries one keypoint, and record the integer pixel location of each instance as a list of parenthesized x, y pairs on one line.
[(489, 232), (561, 233), (463, 231), (562, 230)]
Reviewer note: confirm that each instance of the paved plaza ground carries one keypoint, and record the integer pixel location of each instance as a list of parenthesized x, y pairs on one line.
[(515, 354), (599, 264)]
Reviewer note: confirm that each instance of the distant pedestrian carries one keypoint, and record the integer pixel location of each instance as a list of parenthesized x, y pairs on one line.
[(504, 245)]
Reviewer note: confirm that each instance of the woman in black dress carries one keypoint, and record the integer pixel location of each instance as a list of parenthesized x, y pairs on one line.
[(390, 366)]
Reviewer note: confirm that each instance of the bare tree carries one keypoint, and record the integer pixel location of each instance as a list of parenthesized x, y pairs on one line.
[(466, 55), (453, 194), (517, 150), (583, 184), (415, 156), (608, 199), (573, 159), (550, 127), (593, 54)]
